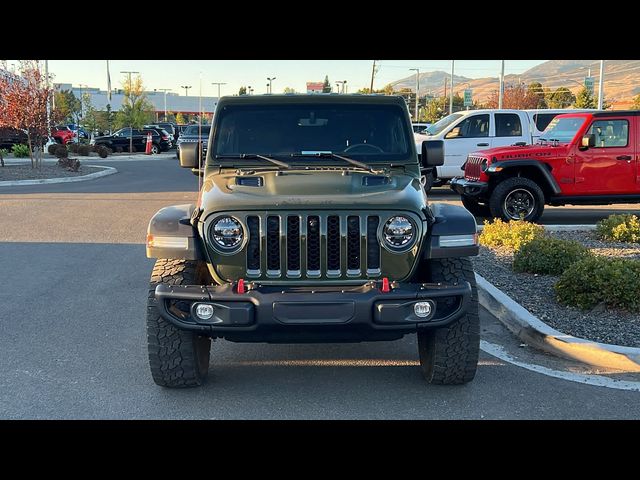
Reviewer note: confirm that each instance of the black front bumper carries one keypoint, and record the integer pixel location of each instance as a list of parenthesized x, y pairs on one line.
[(296, 314), (469, 188)]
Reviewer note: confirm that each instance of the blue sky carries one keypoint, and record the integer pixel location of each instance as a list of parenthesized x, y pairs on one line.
[(173, 74)]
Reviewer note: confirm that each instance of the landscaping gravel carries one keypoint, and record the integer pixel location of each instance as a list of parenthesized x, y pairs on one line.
[(25, 172), (536, 294)]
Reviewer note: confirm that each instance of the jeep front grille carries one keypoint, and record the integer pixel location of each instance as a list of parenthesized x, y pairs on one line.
[(311, 246), (473, 168)]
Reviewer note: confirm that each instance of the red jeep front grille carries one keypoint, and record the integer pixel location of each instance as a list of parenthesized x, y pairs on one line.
[(473, 168)]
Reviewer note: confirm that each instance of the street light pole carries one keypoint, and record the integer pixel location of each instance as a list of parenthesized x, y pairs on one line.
[(451, 100), (601, 86), (218, 84), (186, 89), (271, 79), (501, 94), (165, 90), (417, 70), (130, 116)]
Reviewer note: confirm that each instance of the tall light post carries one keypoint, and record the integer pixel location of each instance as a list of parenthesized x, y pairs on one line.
[(417, 70), (186, 89), (130, 116), (81, 111), (341, 83), (451, 99), (218, 84), (601, 86), (165, 90), (501, 93), (271, 79)]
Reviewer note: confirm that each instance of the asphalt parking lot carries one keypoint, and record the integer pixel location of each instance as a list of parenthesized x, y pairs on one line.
[(72, 334)]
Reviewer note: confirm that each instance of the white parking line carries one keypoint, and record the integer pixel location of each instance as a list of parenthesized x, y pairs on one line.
[(595, 380)]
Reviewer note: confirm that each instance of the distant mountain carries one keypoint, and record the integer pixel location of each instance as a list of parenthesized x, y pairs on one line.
[(622, 79)]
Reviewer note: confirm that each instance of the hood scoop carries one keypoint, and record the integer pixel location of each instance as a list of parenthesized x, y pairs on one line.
[(250, 181), (375, 180)]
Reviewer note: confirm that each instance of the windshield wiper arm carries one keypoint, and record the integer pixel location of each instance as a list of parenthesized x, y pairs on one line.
[(353, 162), (243, 156)]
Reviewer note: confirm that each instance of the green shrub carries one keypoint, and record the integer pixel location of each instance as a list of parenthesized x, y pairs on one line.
[(20, 151), (547, 255), (513, 234), (84, 150), (593, 280), (4, 152), (619, 228)]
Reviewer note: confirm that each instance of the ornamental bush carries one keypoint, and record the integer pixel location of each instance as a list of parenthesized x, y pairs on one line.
[(20, 151), (513, 234), (594, 280), (619, 228), (548, 255)]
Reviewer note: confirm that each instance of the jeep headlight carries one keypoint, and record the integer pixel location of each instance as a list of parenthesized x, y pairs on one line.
[(226, 234), (398, 233)]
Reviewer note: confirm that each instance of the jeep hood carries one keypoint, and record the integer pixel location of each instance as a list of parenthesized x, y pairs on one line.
[(311, 189), (512, 152)]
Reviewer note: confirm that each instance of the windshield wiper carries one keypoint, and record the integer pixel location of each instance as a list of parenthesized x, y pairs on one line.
[(324, 154), (243, 156)]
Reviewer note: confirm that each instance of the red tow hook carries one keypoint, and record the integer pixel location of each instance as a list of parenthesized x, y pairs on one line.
[(241, 288), (385, 285)]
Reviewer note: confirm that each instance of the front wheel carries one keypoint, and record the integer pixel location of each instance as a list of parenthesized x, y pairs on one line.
[(155, 149), (449, 355), (178, 358), (517, 198)]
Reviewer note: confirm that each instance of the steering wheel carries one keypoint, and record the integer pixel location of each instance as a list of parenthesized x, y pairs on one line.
[(366, 145)]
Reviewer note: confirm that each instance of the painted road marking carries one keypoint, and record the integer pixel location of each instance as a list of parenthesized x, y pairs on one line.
[(595, 380)]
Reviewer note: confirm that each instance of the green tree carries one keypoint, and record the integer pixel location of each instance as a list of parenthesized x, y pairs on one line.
[(136, 108), (67, 105), (180, 120), (326, 87), (636, 102), (561, 98), (536, 90), (242, 91), (289, 90), (585, 99)]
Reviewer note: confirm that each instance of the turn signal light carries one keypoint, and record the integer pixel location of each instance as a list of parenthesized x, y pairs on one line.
[(385, 285)]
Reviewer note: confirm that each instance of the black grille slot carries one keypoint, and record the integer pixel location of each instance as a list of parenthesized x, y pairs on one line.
[(313, 243), (273, 243), (253, 247), (373, 246), (293, 243), (333, 242), (353, 243)]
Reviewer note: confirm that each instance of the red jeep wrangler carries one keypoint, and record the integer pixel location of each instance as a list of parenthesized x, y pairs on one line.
[(580, 159), (62, 134)]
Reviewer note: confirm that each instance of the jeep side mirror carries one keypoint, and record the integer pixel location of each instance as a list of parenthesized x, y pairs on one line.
[(189, 153), (432, 153), (588, 141)]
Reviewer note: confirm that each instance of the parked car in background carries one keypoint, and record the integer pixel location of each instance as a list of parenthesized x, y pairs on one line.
[(120, 140), (193, 134), (169, 127), (78, 130), (580, 159), (62, 134), (475, 130), (12, 136)]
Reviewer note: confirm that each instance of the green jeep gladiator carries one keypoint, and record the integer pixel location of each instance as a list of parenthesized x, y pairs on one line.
[(312, 225)]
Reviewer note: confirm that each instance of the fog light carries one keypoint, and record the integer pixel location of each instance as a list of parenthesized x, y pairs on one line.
[(204, 311), (422, 309)]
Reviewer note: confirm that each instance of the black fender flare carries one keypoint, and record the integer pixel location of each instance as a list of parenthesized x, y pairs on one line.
[(175, 221), (449, 220), (537, 164)]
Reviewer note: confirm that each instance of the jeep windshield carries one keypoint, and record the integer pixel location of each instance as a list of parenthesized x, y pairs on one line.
[(561, 129), (369, 133)]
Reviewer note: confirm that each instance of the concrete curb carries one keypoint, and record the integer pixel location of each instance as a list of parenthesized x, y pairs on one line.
[(40, 181), (533, 331), (560, 228)]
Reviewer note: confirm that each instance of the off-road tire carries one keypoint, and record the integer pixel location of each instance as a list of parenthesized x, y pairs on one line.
[(449, 355), (476, 209), (178, 358), (504, 188)]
